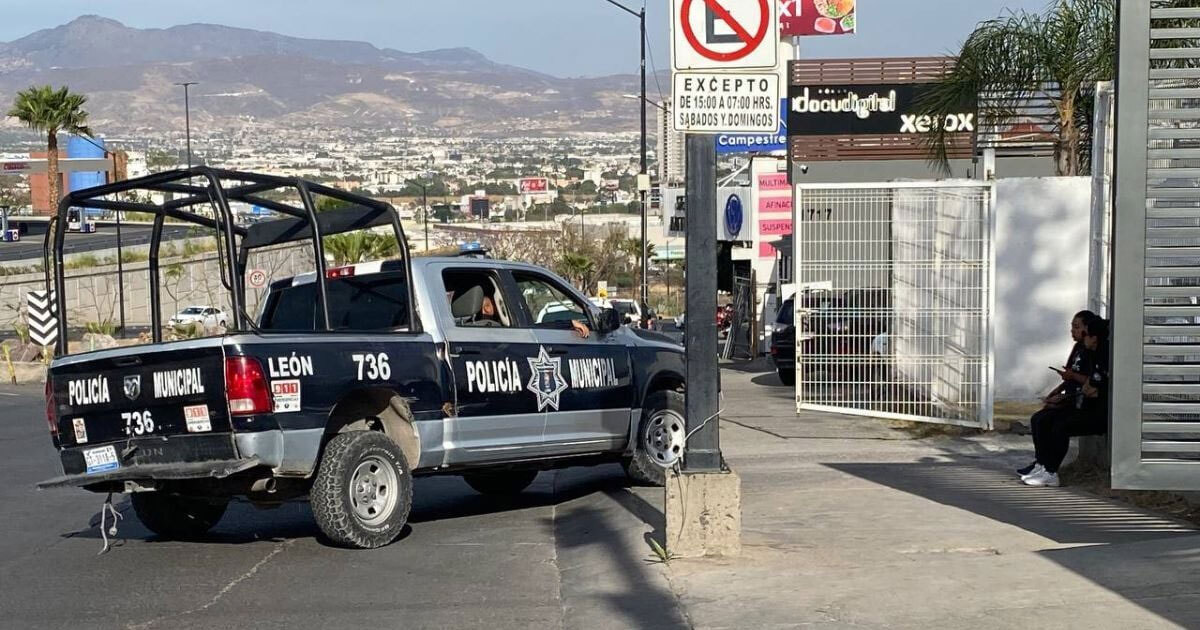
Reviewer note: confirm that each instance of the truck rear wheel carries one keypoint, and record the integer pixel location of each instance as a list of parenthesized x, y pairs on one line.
[(176, 517), (363, 490), (500, 482), (660, 438)]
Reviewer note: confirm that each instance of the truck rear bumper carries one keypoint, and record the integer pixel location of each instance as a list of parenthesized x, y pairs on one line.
[(179, 470)]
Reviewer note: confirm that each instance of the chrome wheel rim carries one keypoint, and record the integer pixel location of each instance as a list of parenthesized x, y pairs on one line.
[(665, 434), (373, 490)]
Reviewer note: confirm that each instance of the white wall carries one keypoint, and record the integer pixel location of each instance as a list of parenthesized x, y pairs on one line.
[(1042, 246)]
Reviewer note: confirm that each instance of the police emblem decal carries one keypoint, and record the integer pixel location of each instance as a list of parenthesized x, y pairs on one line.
[(547, 380)]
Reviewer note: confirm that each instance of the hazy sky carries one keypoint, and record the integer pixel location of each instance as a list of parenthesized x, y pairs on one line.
[(560, 37)]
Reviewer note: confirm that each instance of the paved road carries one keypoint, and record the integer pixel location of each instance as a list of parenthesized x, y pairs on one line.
[(30, 245), (569, 553)]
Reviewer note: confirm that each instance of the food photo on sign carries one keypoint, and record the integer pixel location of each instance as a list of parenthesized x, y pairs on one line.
[(799, 18)]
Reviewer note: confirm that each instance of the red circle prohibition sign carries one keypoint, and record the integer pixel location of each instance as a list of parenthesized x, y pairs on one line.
[(751, 41)]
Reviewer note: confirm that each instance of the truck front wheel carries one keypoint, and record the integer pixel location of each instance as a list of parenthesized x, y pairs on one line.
[(177, 517), (660, 438), (363, 490)]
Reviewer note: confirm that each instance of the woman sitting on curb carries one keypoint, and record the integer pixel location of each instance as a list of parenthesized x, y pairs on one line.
[(1087, 416), (1059, 402)]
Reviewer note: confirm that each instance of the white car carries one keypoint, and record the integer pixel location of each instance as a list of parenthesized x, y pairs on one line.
[(206, 316)]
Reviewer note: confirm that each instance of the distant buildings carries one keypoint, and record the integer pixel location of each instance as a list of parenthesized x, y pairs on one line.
[(670, 152)]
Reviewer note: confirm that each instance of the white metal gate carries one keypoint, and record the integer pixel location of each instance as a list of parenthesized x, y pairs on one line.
[(905, 332)]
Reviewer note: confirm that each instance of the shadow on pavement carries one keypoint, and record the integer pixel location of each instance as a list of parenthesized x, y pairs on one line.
[(1149, 560), (603, 557), (434, 499), (1064, 515)]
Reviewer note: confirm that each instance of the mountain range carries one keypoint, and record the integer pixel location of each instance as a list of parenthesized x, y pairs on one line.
[(243, 75)]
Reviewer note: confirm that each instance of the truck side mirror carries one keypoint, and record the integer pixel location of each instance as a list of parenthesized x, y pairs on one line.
[(609, 321)]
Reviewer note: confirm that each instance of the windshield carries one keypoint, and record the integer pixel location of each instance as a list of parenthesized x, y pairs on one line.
[(192, 310), (787, 313)]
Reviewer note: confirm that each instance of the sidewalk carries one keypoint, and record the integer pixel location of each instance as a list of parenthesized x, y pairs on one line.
[(850, 523)]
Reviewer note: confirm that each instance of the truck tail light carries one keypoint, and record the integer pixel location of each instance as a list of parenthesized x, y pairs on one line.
[(340, 272), (246, 387), (50, 415)]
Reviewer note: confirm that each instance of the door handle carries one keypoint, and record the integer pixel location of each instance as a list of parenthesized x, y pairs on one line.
[(556, 352), (459, 350)]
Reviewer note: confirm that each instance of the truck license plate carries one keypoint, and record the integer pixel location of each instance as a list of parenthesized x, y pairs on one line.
[(101, 459)]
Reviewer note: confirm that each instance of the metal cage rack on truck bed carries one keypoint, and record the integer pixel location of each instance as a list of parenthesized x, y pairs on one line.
[(202, 196)]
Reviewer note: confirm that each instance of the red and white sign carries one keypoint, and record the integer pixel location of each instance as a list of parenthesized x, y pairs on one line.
[(257, 278), (286, 395), (724, 34), (799, 18), (197, 420), (533, 185)]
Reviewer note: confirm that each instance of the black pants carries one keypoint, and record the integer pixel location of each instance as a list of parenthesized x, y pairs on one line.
[(1053, 428)]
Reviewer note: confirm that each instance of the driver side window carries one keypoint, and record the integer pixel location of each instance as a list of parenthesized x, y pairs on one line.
[(548, 305)]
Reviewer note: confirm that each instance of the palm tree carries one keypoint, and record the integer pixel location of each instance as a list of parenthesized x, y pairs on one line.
[(42, 108), (578, 268), (1024, 58), (360, 246)]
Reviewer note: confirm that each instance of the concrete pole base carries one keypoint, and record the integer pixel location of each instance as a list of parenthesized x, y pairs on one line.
[(704, 514)]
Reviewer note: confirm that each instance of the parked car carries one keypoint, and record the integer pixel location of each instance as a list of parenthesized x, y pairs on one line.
[(783, 342), (853, 322), (351, 382), (206, 316)]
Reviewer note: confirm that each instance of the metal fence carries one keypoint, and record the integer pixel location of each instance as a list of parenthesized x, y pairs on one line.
[(1156, 250), (905, 331)]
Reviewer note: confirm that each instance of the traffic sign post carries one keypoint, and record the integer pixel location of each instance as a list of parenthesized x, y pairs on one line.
[(713, 45)]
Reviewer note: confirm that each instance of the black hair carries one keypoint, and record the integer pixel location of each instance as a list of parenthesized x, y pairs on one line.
[(1097, 327), (1085, 316)]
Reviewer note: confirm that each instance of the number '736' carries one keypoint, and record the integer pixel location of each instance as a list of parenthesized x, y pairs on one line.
[(374, 367)]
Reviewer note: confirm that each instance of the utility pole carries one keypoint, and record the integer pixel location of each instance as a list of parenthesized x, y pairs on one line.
[(702, 451), (641, 16), (187, 119), (645, 306)]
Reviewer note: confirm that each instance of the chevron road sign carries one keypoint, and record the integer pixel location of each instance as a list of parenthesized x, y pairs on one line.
[(43, 317)]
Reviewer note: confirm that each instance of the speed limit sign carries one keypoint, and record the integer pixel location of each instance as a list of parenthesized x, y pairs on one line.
[(258, 278)]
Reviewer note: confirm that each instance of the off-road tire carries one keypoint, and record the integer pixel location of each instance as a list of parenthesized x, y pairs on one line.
[(500, 482), (642, 468), (177, 517), (330, 497), (787, 377)]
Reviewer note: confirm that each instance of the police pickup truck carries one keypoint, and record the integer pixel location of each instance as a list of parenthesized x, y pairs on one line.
[(350, 381)]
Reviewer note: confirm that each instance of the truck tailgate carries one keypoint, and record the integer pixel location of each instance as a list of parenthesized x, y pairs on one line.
[(158, 404)]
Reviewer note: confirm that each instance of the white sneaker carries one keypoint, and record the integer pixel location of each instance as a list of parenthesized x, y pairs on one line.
[(1042, 479), (1037, 470)]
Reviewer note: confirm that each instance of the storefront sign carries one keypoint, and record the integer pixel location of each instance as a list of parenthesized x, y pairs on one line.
[(798, 18), (824, 110)]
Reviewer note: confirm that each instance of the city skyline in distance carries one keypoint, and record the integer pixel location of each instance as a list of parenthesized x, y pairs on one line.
[(532, 34)]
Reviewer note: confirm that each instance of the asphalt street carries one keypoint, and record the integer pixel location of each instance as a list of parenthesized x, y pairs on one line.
[(571, 552), (105, 237)]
